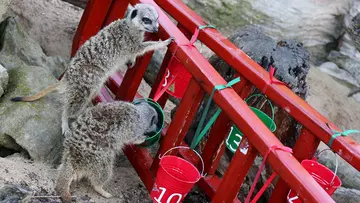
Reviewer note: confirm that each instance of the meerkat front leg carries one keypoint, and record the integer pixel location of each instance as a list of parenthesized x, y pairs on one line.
[(153, 45), (65, 122)]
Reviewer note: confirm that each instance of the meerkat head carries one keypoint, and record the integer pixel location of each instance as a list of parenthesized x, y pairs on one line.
[(144, 17), (148, 116)]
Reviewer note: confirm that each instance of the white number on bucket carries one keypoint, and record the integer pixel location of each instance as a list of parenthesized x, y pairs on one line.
[(234, 142), (290, 199), (163, 190)]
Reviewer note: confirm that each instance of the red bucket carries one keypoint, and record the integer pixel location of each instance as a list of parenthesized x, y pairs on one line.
[(174, 179), (178, 76), (327, 179)]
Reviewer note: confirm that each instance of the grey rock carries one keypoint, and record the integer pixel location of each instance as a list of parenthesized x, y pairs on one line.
[(317, 24), (348, 175), (347, 56), (10, 193), (4, 79), (35, 126), (333, 70), (351, 65), (59, 21), (345, 195)]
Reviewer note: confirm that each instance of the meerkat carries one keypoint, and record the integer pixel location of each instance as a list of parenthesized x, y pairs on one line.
[(116, 45), (96, 136)]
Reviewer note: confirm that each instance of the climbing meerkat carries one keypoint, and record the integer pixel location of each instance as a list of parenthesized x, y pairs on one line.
[(117, 44), (94, 139)]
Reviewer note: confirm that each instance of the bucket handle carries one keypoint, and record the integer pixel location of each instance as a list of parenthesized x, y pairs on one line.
[(183, 147), (267, 100), (336, 165)]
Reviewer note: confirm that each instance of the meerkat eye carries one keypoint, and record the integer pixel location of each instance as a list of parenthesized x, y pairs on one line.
[(146, 20)]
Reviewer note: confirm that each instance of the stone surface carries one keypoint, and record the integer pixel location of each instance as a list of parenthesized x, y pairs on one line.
[(14, 193), (344, 195), (35, 126), (316, 23), (58, 19), (347, 55), (341, 74), (348, 175), (4, 79)]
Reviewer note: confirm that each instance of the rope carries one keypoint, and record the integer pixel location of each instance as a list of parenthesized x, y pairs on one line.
[(337, 134), (258, 195), (199, 134)]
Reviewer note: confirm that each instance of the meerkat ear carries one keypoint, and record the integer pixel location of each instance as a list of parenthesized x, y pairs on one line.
[(133, 14)]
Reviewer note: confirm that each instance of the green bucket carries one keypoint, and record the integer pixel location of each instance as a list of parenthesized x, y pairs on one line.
[(153, 137), (235, 135)]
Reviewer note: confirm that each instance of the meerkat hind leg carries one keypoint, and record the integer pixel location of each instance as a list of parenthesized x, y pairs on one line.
[(66, 175), (101, 191), (100, 175)]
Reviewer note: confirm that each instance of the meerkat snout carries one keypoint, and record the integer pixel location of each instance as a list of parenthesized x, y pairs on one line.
[(148, 113)]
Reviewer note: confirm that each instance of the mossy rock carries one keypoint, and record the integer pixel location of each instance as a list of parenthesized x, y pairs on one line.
[(34, 126)]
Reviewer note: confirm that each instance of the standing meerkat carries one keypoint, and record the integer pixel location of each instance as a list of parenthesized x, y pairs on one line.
[(95, 138), (116, 45)]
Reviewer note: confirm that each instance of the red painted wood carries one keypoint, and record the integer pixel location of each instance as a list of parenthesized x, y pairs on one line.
[(161, 73), (259, 135), (103, 96), (133, 78), (117, 11), (240, 163), (181, 120), (235, 174), (211, 184), (215, 145), (167, 58), (282, 96), (91, 22), (204, 75), (304, 148)]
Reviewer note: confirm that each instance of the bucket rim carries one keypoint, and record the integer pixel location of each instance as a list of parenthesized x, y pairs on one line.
[(323, 167), (156, 137), (172, 156), (273, 124)]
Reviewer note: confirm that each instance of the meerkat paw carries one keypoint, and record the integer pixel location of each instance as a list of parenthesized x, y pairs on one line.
[(102, 192), (65, 129), (131, 63), (168, 41), (66, 198)]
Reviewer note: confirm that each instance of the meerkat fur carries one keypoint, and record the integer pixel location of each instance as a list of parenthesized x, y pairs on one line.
[(96, 136), (114, 46)]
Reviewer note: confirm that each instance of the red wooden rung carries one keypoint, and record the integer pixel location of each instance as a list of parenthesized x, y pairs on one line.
[(99, 13)]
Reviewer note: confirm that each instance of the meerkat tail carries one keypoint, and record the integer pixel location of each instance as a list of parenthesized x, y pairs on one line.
[(66, 174), (38, 95)]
